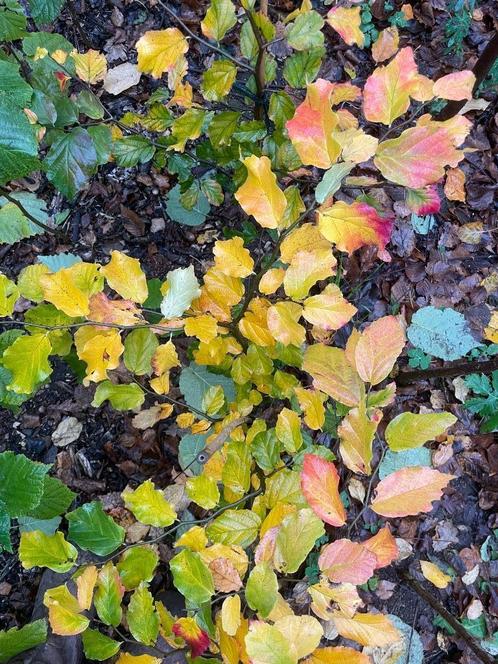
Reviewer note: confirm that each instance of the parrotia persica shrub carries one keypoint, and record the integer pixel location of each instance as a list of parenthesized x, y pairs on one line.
[(262, 376)]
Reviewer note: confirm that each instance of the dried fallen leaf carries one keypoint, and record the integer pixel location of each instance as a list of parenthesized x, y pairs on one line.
[(454, 187), (68, 430)]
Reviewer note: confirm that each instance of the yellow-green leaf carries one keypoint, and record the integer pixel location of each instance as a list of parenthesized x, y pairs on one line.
[(296, 538), (219, 18), (235, 527), (108, 594), (149, 505), (262, 589), (160, 50), (265, 644), (192, 577), (40, 550), (203, 490), (217, 81), (142, 617), (410, 430), (9, 294)]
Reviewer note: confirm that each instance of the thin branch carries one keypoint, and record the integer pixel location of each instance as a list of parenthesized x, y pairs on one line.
[(206, 43), (34, 220), (449, 617), (450, 370), (259, 72), (93, 323)]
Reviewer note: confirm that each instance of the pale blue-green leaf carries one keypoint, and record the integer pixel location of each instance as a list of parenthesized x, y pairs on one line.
[(394, 461), (443, 333)]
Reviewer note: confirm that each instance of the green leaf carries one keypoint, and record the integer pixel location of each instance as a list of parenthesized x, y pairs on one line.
[(236, 472), (93, 530), (296, 537), (14, 226), (55, 500), (303, 67), (217, 81), (332, 180), (188, 127), (39, 550), (142, 618), (190, 446), (136, 565), (281, 108), (13, 84), (121, 397), (235, 527), (47, 526), (44, 108), (132, 150), (179, 213), (266, 448), (97, 646), (45, 11), (394, 461), (18, 145), (51, 41), (149, 505), (262, 589), (192, 577), (248, 43), (222, 127), (15, 641), (139, 348), (108, 594), (5, 542), (306, 31), (27, 359), (219, 18), (183, 288), (12, 21), (71, 161), (102, 141), (90, 105), (9, 399), (195, 380), (443, 333), (21, 483)]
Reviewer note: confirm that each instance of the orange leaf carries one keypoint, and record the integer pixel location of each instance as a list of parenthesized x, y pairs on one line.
[(387, 92), (260, 194), (344, 561), (356, 432), (378, 348), (225, 577), (386, 44), (347, 22), (332, 374), (384, 546), (409, 491), (454, 187), (352, 225), (418, 156), (310, 130), (374, 630), (456, 86), (121, 312), (320, 487), (338, 655)]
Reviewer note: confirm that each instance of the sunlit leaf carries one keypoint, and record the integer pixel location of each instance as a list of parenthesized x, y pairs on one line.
[(99, 349), (149, 505), (125, 276), (409, 430), (39, 550), (328, 310), (320, 486), (434, 574), (260, 194), (160, 50), (232, 258)]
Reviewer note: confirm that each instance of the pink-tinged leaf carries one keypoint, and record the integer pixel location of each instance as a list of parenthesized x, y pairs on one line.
[(418, 156), (386, 44), (333, 374), (423, 201), (458, 127), (310, 130), (409, 491), (456, 86), (386, 95), (266, 546), (347, 22), (344, 561), (356, 433), (384, 546), (320, 487), (353, 225), (378, 348)]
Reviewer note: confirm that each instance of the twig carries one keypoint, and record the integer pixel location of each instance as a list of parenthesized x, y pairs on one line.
[(259, 72), (34, 220), (206, 43), (449, 617), (448, 371)]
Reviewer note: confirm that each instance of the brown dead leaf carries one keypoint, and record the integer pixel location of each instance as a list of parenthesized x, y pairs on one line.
[(225, 576), (454, 187)]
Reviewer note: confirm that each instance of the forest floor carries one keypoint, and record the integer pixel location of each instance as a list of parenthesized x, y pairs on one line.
[(452, 265)]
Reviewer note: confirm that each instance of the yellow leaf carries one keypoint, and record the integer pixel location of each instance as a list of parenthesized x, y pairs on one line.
[(356, 432), (410, 430), (275, 517), (204, 327), (338, 655), (165, 358), (149, 505), (254, 324), (91, 67), (266, 644), (234, 553), (434, 574), (28, 281), (306, 268), (160, 384), (100, 349), (85, 583), (366, 629), (9, 294), (491, 332), (260, 194), (203, 491), (61, 290), (328, 310), (305, 7), (232, 258), (303, 634), (272, 280), (356, 145), (347, 22), (288, 430), (311, 402), (126, 658), (230, 614), (332, 374), (325, 594), (194, 539), (219, 293), (283, 325), (219, 18), (125, 276), (64, 612), (160, 51)]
